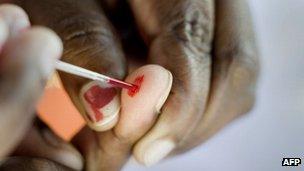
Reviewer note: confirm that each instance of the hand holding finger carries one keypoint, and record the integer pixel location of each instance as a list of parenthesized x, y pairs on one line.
[(111, 149), (181, 42), (235, 71)]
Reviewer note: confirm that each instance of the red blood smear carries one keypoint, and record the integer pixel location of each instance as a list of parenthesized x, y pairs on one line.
[(138, 81), (98, 97)]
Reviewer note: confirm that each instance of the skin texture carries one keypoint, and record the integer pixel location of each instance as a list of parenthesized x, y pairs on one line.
[(207, 45)]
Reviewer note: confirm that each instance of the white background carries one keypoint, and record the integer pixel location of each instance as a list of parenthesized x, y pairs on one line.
[(274, 129)]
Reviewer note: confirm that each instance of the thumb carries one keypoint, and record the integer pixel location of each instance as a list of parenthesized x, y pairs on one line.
[(89, 42)]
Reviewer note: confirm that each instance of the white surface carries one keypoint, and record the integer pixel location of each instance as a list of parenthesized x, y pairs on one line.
[(274, 129)]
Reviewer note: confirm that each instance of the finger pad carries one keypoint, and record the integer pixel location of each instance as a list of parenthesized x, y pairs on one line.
[(139, 109)]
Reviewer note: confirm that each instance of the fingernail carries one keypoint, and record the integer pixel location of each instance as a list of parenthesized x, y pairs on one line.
[(157, 151), (38, 45), (164, 96), (101, 102)]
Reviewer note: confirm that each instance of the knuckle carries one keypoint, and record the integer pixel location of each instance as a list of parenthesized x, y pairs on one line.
[(194, 28), (85, 27), (187, 28), (244, 70), (240, 63), (240, 55), (88, 39)]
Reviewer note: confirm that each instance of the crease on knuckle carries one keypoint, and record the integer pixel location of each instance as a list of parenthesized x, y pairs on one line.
[(194, 29), (84, 27)]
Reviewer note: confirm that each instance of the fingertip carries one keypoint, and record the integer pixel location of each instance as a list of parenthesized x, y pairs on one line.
[(140, 109), (15, 18), (46, 39), (39, 45), (151, 79)]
